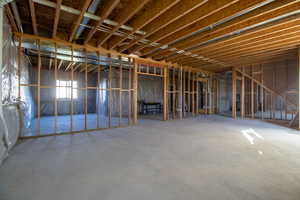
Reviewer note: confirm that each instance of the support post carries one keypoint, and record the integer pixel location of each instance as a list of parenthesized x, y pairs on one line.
[(243, 97), (110, 92), (193, 93), (135, 87), (120, 89), (183, 90), (85, 93), (174, 94), (98, 90), (129, 93), (262, 94), (180, 92), (72, 86), (166, 71), (252, 94), (39, 88), (197, 96), (233, 109)]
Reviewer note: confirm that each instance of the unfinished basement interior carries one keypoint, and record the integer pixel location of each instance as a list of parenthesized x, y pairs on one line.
[(149, 99)]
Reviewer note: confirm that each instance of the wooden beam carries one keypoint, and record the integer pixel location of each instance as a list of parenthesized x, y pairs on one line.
[(129, 11), (11, 18), (56, 17), (261, 32), (264, 30), (180, 92), (257, 16), (285, 43), (33, 17), (155, 9), (200, 13), (233, 103), (252, 94), (134, 95), (260, 83), (165, 92), (216, 17), (183, 90), (50, 63), (39, 88), (179, 10), (104, 12), (85, 6), (130, 93), (59, 65), (243, 96), (103, 51), (71, 64), (291, 34)]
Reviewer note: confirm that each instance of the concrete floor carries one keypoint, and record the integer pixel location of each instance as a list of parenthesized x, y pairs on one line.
[(63, 124), (209, 157)]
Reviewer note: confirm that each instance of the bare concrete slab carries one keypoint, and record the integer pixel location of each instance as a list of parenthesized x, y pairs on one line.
[(202, 158)]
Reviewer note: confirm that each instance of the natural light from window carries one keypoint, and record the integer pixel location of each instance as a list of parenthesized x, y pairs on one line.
[(63, 89)]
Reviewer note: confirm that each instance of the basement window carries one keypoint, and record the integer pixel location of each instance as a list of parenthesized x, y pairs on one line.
[(64, 88)]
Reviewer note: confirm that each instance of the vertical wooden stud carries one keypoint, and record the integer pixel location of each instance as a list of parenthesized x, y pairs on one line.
[(110, 92), (72, 85), (262, 93), (129, 92), (99, 91), (184, 92), (233, 93), (120, 90), (165, 92), (243, 97), (252, 94), (85, 91), (180, 92), (39, 88), (55, 79), (135, 88), (174, 93)]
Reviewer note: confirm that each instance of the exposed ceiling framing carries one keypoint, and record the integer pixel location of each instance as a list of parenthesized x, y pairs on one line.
[(208, 34)]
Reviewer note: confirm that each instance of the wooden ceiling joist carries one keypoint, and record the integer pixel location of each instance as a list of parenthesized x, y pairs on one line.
[(206, 34), (264, 59), (60, 64), (294, 40), (179, 10), (264, 40), (261, 54), (129, 11), (56, 17), (104, 12), (260, 15), (155, 9), (11, 17), (79, 19), (33, 17), (257, 32), (192, 17), (212, 19)]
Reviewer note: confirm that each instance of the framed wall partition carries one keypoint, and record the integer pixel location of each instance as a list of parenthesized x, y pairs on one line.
[(74, 90), (66, 88)]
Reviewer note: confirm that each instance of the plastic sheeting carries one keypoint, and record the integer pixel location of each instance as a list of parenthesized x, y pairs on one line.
[(10, 126)]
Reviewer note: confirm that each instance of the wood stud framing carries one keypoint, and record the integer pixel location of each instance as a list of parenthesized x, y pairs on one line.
[(132, 75), (151, 29)]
